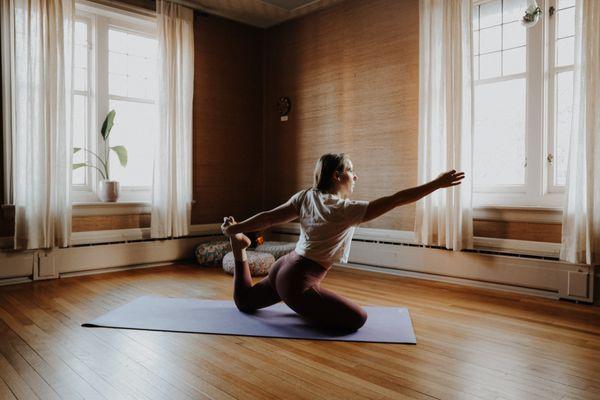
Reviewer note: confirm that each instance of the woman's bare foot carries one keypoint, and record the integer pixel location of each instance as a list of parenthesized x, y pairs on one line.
[(239, 242)]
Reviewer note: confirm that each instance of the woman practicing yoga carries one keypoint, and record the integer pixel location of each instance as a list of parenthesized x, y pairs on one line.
[(327, 220)]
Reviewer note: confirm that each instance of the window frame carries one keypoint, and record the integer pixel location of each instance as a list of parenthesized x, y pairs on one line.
[(552, 71), (538, 189), (102, 19), (86, 192)]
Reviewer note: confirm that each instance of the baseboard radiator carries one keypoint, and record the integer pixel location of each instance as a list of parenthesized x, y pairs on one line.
[(103, 251), (388, 252), (541, 275)]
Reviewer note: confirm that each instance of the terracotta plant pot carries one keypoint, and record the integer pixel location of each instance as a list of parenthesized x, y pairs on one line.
[(108, 191)]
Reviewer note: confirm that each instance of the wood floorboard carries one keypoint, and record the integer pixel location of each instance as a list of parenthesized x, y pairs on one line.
[(473, 343)]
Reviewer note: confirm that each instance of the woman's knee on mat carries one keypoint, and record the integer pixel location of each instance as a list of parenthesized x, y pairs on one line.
[(356, 321), (243, 304)]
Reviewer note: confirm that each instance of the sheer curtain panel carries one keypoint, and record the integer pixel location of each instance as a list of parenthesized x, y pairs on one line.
[(172, 179), (581, 216), (444, 218), (37, 37)]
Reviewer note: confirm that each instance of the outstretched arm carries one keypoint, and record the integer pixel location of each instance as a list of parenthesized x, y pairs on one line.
[(384, 204), (263, 220)]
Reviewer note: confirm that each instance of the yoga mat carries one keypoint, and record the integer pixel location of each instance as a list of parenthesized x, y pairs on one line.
[(384, 324)]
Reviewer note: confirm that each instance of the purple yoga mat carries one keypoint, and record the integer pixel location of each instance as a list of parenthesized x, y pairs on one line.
[(384, 324)]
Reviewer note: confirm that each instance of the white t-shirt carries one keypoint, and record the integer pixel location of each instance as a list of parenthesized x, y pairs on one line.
[(326, 225)]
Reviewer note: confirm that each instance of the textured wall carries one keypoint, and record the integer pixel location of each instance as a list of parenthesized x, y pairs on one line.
[(227, 120), (351, 71)]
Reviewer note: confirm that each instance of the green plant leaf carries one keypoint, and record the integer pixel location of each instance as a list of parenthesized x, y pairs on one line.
[(76, 149), (79, 165), (121, 153), (107, 125)]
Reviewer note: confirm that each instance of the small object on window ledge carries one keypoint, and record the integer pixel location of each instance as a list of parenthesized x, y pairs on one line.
[(532, 15), (108, 191)]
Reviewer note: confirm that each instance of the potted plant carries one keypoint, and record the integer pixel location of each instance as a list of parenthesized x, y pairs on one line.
[(108, 190)]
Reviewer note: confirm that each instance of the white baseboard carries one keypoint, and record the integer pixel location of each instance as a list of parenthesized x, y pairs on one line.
[(16, 264), (98, 257), (103, 251), (114, 269), (553, 278), (14, 281), (449, 279), (377, 250), (525, 247)]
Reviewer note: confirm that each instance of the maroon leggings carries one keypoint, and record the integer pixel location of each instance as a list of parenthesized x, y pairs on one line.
[(295, 280)]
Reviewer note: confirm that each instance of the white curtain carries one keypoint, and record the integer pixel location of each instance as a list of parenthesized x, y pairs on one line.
[(172, 183), (37, 80), (444, 218), (581, 216)]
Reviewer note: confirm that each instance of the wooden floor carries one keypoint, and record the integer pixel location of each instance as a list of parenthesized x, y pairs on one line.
[(472, 344)]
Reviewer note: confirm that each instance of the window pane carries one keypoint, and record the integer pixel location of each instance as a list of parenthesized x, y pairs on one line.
[(564, 113), (513, 61), (117, 63), (117, 84), (475, 18), (80, 124), (80, 56), (565, 51), (489, 65), (476, 43), (137, 87), (81, 33), (499, 139), (513, 35), (565, 3), (490, 39), (141, 46), (138, 66), (132, 65), (513, 10), (136, 126), (490, 14), (475, 68), (80, 78), (566, 23), (117, 41)]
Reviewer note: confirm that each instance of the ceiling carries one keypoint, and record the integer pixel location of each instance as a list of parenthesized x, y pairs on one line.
[(260, 13)]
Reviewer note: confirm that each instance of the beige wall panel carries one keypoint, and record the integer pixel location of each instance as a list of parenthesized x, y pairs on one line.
[(351, 72), (518, 231), (108, 222)]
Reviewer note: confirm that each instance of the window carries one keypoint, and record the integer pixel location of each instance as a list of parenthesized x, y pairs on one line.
[(522, 102), (115, 59)]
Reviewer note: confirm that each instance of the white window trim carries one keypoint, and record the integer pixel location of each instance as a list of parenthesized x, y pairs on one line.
[(537, 190), (102, 17), (552, 72), (86, 192)]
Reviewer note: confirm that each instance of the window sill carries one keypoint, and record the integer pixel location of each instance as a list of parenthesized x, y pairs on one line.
[(86, 209), (545, 215)]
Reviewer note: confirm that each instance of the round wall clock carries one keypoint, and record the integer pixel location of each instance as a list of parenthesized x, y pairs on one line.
[(284, 105)]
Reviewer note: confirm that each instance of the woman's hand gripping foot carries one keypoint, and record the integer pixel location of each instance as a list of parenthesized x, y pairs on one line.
[(239, 242)]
